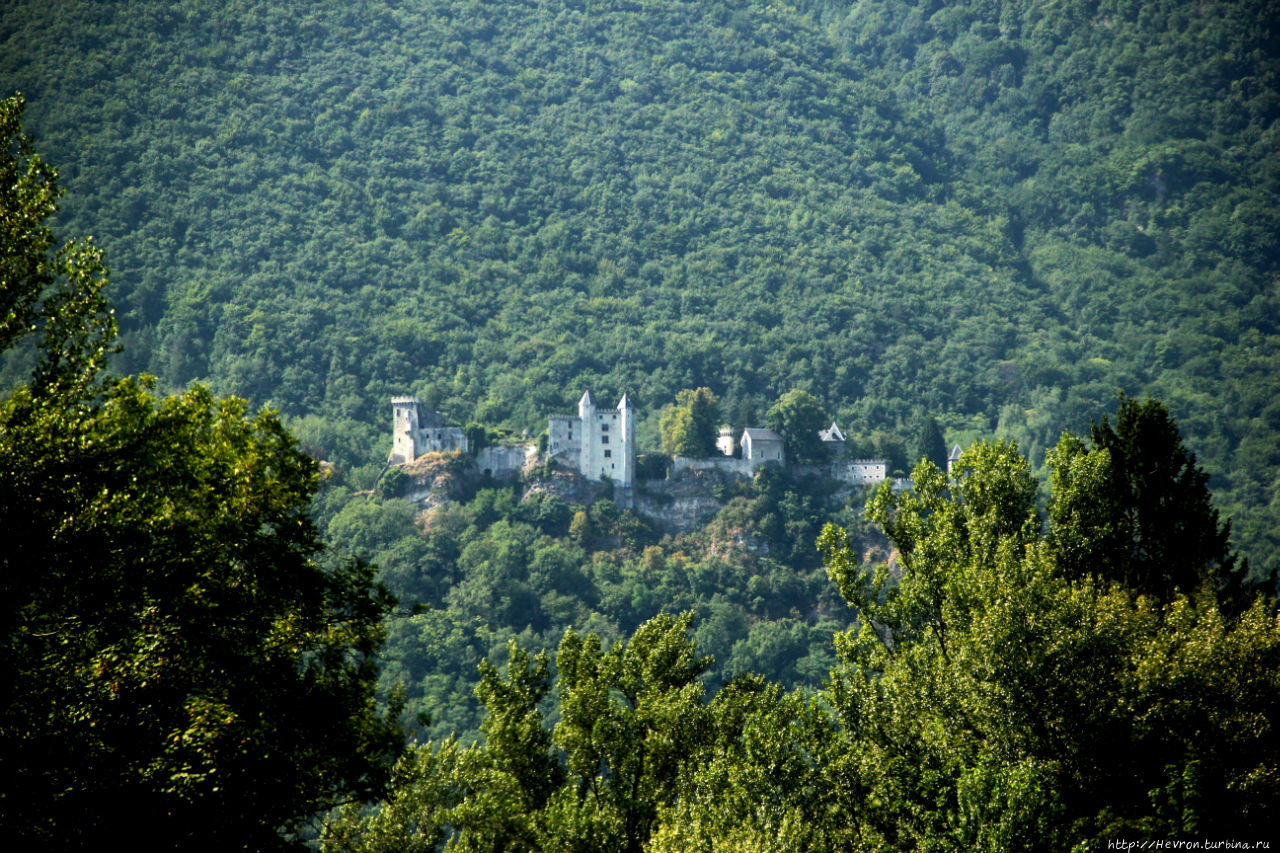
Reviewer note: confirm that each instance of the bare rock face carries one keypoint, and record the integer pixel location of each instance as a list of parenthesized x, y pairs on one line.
[(569, 486), (434, 479), (682, 502)]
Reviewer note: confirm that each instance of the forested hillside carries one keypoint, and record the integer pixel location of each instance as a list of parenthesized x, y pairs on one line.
[(993, 213)]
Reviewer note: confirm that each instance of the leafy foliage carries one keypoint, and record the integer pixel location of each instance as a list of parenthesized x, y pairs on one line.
[(180, 665), (798, 416), (57, 294), (689, 427), (632, 718), (525, 564), (995, 699), (985, 212), (991, 697)]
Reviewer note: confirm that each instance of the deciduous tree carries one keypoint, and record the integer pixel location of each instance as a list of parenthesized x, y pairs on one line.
[(993, 699), (689, 426), (180, 663), (798, 417)]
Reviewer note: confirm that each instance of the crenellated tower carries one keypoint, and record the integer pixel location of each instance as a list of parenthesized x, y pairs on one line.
[(417, 429), (599, 443)]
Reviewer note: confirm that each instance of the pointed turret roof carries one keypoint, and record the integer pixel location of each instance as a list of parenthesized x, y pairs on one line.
[(587, 399), (625, 403), (831, 433)]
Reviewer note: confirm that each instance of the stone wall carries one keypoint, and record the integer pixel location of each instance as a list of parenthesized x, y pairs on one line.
[(504, 460), (723, 465)]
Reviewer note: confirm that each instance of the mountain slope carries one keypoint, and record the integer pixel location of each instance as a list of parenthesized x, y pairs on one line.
[(984, 211)]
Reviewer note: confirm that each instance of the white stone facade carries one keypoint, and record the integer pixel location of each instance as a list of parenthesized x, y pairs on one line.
[(724, 441), (416, 429), (599, 443), (866, 471), (503, 460), (762, 445)]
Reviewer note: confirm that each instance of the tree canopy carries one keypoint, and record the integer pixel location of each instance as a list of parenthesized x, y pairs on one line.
[(980, 211), (798, 417), (989, 697), (1137, 507), (689, 426), (994, 698), (180, 662)]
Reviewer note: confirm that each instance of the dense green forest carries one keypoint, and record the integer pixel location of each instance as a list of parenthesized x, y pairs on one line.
[(181, 661), (498, 567), (1010, 689), (937, 223), (996, 213)]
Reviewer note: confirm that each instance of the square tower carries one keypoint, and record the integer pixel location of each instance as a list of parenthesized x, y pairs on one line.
[(406, 418), (599, 443), (417, 429)]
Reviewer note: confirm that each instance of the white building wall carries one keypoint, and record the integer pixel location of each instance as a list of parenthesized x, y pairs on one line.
[(627, 451), (564, 438), (605, 451), (762, 445), (599, 443), (865, 471), (404, 429), (416, 430), (724, 441), (436, 439), (503, 459), (723, 464)]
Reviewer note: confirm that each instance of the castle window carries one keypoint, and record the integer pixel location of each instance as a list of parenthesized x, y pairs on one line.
[(604, 439), (604, 428), (608, 454)]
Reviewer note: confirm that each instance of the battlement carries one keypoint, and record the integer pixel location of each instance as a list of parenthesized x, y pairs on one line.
[(416, 429), (598, 443)]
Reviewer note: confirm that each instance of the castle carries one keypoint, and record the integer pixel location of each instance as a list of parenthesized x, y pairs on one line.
[(761, 446), (598, 442), (417, 429)]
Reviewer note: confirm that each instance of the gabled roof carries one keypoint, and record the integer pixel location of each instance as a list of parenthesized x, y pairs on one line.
[(758, 434), (831, 433)]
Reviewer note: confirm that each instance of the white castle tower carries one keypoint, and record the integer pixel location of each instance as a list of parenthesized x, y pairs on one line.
[(599, 443), (416, 429)]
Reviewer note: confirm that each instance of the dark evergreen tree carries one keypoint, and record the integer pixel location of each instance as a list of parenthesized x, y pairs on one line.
[(1135, 507), (929, 443)]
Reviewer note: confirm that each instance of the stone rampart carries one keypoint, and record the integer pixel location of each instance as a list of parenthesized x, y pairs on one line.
[(723, 465), (504, 460)]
